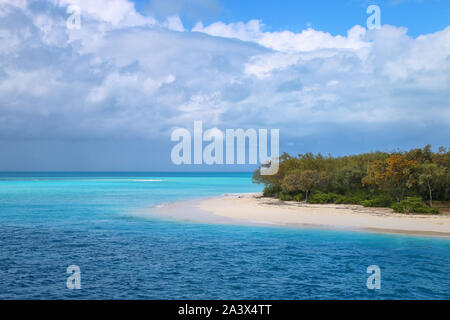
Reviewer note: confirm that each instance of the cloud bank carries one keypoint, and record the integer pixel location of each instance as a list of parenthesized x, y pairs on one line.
[(123, 75)]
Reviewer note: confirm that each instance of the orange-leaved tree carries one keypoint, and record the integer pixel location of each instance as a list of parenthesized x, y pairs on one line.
[(394, 174)]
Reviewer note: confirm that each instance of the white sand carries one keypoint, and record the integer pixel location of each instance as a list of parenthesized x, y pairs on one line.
[(267, 210), (252, 209)]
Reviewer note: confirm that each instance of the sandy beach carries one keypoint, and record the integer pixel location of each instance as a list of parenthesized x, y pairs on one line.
[(254, 209)]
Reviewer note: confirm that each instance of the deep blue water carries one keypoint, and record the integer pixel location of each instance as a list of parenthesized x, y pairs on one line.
[(49, 221)]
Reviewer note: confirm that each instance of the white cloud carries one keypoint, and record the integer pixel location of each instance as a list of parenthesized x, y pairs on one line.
[(116, 12), (124, 74), (307, 40), (126, 86), (174, 23)]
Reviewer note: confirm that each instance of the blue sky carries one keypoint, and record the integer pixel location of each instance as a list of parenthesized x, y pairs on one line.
[(334, 16), (106, 96)]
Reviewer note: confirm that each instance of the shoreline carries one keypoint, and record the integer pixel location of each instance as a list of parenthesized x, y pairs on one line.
[(252, 209)]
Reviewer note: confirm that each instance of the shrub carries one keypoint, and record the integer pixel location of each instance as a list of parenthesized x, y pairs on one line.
[(378, 201), (299, 197), (271, 191), (284, 196), (347, 200), (352, 200), (321, 197), (340, 199), (413, 205)]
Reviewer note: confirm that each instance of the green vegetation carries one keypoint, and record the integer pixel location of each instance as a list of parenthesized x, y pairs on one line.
[(413, 204), (378, 201), (401, 180)]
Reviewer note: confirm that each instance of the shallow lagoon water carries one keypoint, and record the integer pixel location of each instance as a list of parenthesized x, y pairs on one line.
[(49, 221)]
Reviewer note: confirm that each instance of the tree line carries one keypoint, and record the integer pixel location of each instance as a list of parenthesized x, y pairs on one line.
[(407, 181)]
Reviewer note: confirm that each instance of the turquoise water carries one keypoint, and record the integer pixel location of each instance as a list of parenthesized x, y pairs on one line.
[(50, 221)]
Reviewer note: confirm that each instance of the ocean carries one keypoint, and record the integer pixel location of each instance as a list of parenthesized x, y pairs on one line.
[(50, 221)]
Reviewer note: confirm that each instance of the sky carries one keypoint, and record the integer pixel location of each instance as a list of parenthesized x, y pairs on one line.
[(333, 16), (107, 95)]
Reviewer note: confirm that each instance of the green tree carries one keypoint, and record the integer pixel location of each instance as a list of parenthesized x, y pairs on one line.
[(305, 181), (398, 174), (349, 178), (291, 182), (430, 175)]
